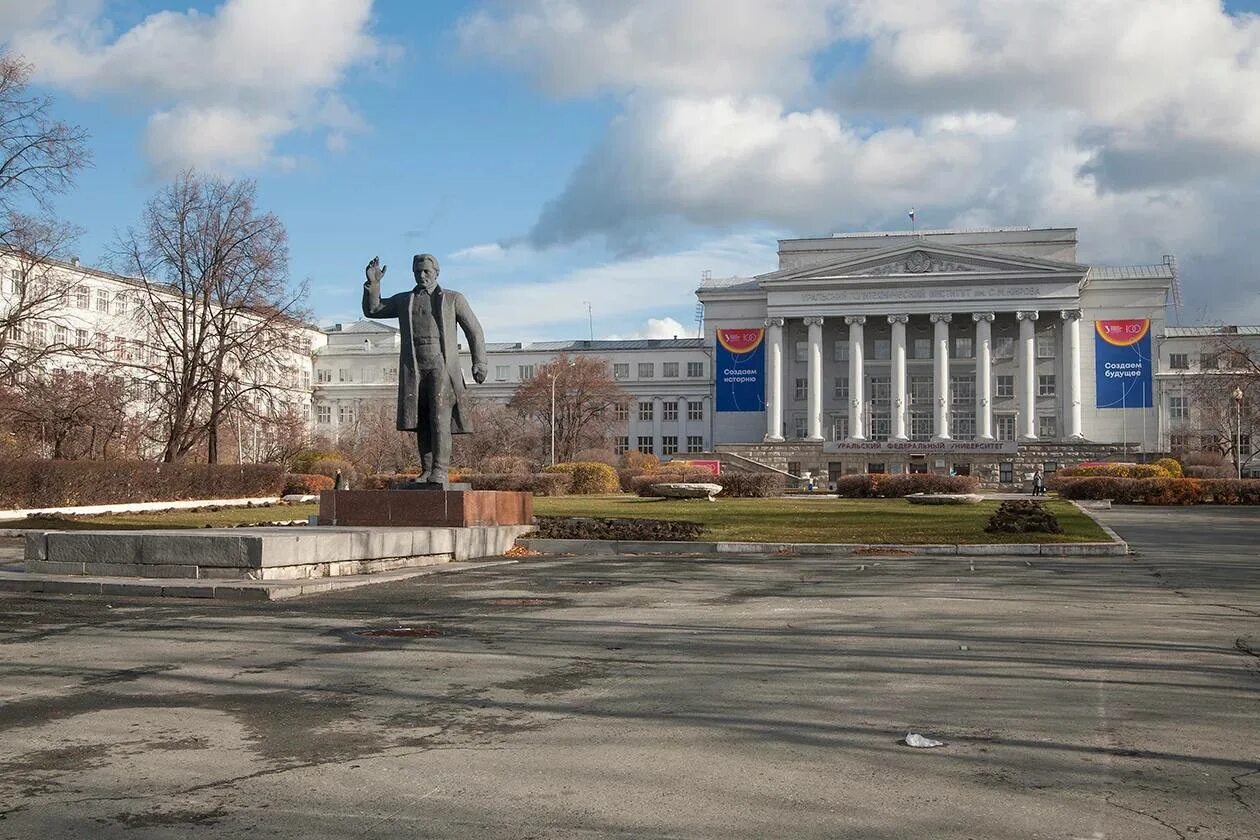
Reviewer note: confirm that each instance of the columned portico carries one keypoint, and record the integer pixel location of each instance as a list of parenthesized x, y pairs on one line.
[(984, 374), (940, 358), (774, 379), (1072, 370), (856, 373), (814, 380), (898, 323), (1027, 374)]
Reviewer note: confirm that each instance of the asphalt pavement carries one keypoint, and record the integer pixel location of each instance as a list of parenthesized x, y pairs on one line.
[(741, 696)]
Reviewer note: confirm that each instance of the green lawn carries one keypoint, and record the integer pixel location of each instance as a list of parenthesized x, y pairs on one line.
[(880, 521), (223, 518)]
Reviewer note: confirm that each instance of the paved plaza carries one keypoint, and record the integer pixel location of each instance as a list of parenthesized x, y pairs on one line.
[(757, 696)]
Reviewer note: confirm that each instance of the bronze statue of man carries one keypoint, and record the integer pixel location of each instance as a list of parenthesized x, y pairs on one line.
[(431, 394)]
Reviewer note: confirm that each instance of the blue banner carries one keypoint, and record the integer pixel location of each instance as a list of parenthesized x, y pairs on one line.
[(1122, 364), (740, 370)]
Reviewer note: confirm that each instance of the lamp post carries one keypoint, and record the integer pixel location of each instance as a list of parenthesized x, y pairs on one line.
[(1238, 398), (555, 374)]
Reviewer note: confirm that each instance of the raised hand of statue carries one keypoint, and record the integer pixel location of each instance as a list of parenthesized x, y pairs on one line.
[(479, 373), (375, 271)]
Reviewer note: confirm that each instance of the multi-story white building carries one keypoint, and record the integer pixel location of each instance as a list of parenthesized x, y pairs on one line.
[(668, 410)]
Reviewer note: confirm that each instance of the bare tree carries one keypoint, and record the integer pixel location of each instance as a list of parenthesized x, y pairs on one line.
[(497, 431), (585, 394), (39, 157), (1219, 420), (219, 311), (68, 414)]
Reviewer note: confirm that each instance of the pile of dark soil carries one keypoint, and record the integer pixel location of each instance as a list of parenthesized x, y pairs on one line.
[(1023, 516), (600, 528)]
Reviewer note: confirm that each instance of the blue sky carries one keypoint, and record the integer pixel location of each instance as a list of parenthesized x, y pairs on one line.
[(553, 152)]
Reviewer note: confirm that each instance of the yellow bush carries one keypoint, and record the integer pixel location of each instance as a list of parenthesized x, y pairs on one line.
[(641, 463), (1172, 465), (589, 477)]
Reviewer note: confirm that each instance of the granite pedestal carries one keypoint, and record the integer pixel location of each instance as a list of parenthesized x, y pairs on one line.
[(425, 508)]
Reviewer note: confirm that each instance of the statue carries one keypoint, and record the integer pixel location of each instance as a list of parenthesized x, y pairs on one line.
[(432, 399)]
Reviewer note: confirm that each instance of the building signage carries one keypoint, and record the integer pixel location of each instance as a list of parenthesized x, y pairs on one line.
[(917, 447), (740, 369), (919, 292), (1122, 363)]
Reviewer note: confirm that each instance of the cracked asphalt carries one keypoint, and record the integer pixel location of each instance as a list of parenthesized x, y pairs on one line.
[(758, 696)]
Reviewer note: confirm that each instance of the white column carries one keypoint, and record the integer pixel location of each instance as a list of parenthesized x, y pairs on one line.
[(774, 379), (1027, 374), (856, 370), (1072, 370), (984, 374), (899, 375), (814, 400), (682, 424), (940, 358), (658, 423), (706, 403)]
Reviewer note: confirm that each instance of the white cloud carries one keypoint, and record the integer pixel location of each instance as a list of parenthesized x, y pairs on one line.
[(1135, 120), (224, 86), (485, 252), (657, 328)]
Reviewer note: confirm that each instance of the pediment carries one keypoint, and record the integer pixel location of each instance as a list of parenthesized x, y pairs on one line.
[(921, 259)]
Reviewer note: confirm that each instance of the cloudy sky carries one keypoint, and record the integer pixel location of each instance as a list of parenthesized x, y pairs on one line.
[(555, 153)]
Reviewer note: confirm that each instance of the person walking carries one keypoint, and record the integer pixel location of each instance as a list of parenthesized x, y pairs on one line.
[(1039, 484)]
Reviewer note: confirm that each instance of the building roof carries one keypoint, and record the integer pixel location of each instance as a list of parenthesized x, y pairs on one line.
[(930, 232), (729, 283), (363, 325), (584, 344), (1202, 332), (1162, 271)]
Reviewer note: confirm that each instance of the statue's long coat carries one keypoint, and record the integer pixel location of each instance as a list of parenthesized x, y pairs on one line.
[(452, 309)]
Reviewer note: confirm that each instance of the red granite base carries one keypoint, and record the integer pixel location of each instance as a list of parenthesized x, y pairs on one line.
[(436, 508)]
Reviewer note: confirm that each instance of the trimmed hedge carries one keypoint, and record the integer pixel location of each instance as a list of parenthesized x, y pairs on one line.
[(600, 528), (1163, 491), (882, 486), (540, 484), (589, 477), (749, 485), (32, 484), (306, 484), (1156, 470)]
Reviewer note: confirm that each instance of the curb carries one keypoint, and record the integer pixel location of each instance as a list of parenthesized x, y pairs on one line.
[(681, 549)]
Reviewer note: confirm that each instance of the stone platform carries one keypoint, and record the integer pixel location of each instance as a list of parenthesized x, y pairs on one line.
[(260, 554), (427, 508)]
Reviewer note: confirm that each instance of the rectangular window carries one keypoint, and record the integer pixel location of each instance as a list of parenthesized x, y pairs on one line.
[(921, 348), (645, 444), (39, 333), (875, 468), (345, 375), (61, 334), (695, 370), (669, 370), (1046, 343), (920, 425), (920, 390), (841, 391), (1045, 385), (1208, 361), (801, 353), (962, 390), (1179, 441), (345, 414), (880, 389), (1047, 426), (621, 413), (839, 426), (323, 375), (645, 412), (1177, 408), (881, 350), (840, 351), (524, 373), (670, 411), (802, 389), (964, 347), (962, 425), (120, 305), (1004, 426), (1006, 472), (390, 373), (669, 444), (102, 300), (323, 414), (647, 370), (1003, 347), (82, 297), (502, 372), (621, 444), (621, 370), (695, 410), (1004, 386), (1179, 361), (695, 443), (799, 426), (81, 338), (881, 427)]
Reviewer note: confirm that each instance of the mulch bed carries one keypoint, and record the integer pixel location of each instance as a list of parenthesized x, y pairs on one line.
[(602, 528)]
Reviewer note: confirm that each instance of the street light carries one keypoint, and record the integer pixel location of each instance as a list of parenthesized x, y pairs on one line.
[(555, 374), (1238, 398)]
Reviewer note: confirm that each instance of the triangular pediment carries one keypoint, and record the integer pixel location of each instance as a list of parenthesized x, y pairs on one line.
[(919, 259)]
